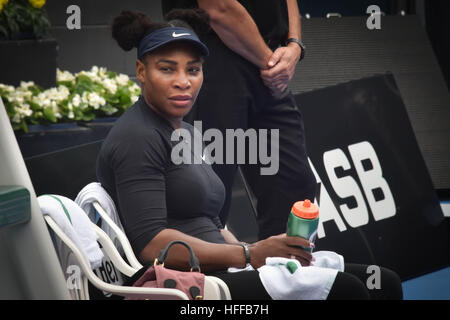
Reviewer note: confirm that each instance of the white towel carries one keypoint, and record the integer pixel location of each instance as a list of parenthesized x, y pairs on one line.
[(286, 279), (328, 259), (309, 283), (75, 224), (95, 192)]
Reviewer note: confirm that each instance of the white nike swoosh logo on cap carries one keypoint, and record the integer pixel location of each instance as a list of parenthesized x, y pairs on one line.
[(175, 35)]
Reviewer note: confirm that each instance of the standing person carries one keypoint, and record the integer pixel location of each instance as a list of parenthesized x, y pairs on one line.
[(255, 47)]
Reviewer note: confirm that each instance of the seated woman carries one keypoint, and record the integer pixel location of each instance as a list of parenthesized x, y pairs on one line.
[(159, 201)]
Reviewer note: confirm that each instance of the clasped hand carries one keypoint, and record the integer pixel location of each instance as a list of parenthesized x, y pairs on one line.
[(280, 68)]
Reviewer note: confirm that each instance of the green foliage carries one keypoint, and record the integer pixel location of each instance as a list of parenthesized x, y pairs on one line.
[(18, 17)]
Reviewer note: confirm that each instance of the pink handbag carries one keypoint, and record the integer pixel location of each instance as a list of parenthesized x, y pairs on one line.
[(156, 276)]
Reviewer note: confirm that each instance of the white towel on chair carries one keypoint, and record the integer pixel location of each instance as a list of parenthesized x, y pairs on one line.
[(75, 224), (94, 192), (296, 282)]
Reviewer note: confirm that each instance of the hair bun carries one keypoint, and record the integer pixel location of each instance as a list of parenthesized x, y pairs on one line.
[(129, 28), (197, 18)]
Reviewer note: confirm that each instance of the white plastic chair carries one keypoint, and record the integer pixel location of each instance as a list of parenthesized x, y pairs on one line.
[(111, 251), (215, 288), (126, 246)]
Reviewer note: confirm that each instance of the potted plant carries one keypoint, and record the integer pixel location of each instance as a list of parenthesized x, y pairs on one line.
[(23, 19), (24, 41), (72, 112)]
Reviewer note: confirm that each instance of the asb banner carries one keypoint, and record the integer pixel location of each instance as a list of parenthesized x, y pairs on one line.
[(376, 198)]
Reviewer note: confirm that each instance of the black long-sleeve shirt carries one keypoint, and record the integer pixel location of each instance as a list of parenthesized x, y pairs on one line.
[(152, 193)]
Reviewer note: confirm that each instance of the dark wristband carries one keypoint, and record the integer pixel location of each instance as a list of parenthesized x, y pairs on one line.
[(301, 45), (247, 252)]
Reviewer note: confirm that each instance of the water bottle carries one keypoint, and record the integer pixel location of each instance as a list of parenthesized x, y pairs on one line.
[(303, 221)]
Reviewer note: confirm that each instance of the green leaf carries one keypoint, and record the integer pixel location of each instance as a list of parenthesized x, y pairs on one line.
[(125, 100), (69, 84), (108, 109), (9, 107), (83, 83), (34, 106), (78, 114), (48, 113), (83, 79), (88, 117), (111, 74), (112, 99), (24, 126)]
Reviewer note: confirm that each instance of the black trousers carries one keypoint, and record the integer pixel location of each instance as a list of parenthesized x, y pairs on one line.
[(348, 285), (234, 96)]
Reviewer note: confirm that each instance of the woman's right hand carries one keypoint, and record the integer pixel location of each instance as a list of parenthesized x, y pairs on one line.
[(280, 246)]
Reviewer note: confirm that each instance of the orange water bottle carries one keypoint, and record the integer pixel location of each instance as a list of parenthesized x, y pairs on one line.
[(303, 221)]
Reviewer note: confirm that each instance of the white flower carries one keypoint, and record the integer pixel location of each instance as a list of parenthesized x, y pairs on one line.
[(134, 98), (110, 85), (122, 79), (55, 109), (102, 72), (51, 93), (27, 94), (84, 97), (62, 93), (42, 99), (25, 85), (59, 94), (94, 69), (64, 76), (102, 101), (16, 97), (92, 75), (76, 100), (24, 110), (27, 110), (135, 89), (7, 88), (16, 118), (95, 100), (71, 115)]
